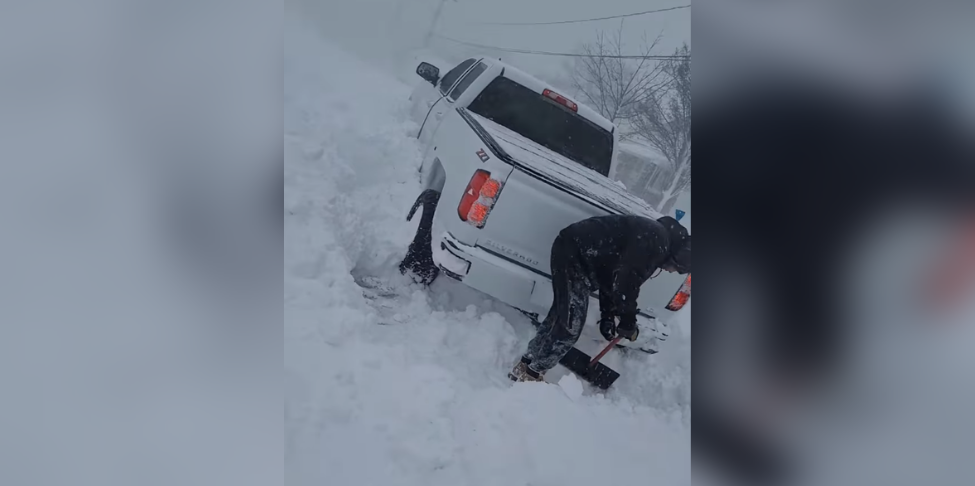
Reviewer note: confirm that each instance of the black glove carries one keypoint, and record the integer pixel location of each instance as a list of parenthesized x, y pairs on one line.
[(627, 328), (607, 327)]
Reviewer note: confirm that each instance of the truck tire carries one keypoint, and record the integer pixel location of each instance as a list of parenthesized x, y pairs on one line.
[(418, 262)]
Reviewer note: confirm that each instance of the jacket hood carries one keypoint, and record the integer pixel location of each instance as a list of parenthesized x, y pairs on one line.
[(680, 244)]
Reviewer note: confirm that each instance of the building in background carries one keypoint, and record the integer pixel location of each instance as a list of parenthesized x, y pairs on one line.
[(648, 175)]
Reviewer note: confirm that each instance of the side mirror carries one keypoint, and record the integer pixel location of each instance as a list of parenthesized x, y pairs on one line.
[(428, 72)]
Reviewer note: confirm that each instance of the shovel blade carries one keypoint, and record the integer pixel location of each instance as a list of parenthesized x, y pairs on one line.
[(599, 375)]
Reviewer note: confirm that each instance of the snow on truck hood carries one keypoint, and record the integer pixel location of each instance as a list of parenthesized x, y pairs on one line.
[(587, 183)]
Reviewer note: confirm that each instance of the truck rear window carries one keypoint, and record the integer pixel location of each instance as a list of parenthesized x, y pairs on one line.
[(540, 120)]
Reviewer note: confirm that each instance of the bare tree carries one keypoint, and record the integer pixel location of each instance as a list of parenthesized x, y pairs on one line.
[(663, 119), (612, 85)]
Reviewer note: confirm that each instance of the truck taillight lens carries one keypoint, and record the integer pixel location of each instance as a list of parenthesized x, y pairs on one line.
[(478, 198), (490, 188), (478, 214), (562, 100), (683, 295)]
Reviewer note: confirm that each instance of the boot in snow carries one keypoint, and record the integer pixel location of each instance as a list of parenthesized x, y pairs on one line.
[(522, 372)]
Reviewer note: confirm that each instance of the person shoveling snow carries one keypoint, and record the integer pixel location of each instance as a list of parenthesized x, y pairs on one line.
[(613, 255)]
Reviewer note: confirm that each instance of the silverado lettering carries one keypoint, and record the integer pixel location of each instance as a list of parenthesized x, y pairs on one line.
[(509, 252)]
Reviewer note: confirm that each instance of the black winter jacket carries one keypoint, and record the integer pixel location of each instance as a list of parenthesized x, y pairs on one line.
[(619, 253)]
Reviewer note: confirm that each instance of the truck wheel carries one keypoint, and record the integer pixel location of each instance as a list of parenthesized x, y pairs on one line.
[(419, 258)]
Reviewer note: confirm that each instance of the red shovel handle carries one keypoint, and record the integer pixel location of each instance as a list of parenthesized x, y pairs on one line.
[(611, 345)]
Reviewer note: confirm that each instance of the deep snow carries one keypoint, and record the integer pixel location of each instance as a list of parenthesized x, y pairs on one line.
[(392, 384)]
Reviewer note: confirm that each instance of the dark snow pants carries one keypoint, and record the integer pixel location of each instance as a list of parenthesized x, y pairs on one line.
[(570, 304)]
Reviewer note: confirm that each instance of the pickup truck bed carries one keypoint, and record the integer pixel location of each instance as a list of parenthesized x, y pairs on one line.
[(556, 170)]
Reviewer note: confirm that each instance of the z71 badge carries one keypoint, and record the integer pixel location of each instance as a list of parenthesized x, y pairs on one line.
[(481, 154)]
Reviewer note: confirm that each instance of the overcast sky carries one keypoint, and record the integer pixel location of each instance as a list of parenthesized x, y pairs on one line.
[(390, 31)]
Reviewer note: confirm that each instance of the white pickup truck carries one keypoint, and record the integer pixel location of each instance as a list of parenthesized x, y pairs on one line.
[(508, 162)]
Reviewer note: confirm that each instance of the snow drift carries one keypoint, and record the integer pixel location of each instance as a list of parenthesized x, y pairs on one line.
[(392, 384)]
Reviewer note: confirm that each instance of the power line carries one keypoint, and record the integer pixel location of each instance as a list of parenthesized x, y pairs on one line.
[(562, 54), (586, 20)]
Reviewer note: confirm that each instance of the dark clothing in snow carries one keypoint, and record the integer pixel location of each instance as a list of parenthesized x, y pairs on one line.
[(680, 245), (570, 303), (620, 253), (612, 255)]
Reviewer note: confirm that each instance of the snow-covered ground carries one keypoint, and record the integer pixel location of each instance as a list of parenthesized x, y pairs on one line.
[(392, 384)]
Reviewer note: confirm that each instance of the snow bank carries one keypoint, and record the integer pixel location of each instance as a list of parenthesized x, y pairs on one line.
[(391, 384)]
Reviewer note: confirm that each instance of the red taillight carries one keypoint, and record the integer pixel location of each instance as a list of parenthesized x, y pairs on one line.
[(562, 100), (478, 198), (683, 295), (478, 214), (490, 188)]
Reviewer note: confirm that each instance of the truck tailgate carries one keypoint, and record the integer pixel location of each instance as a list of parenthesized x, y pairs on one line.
[(547, 192)]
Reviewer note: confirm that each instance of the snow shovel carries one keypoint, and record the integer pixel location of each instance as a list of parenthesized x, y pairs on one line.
[(591, 370)]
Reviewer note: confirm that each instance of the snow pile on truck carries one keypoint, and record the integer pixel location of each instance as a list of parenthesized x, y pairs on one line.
[(392, 384)]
